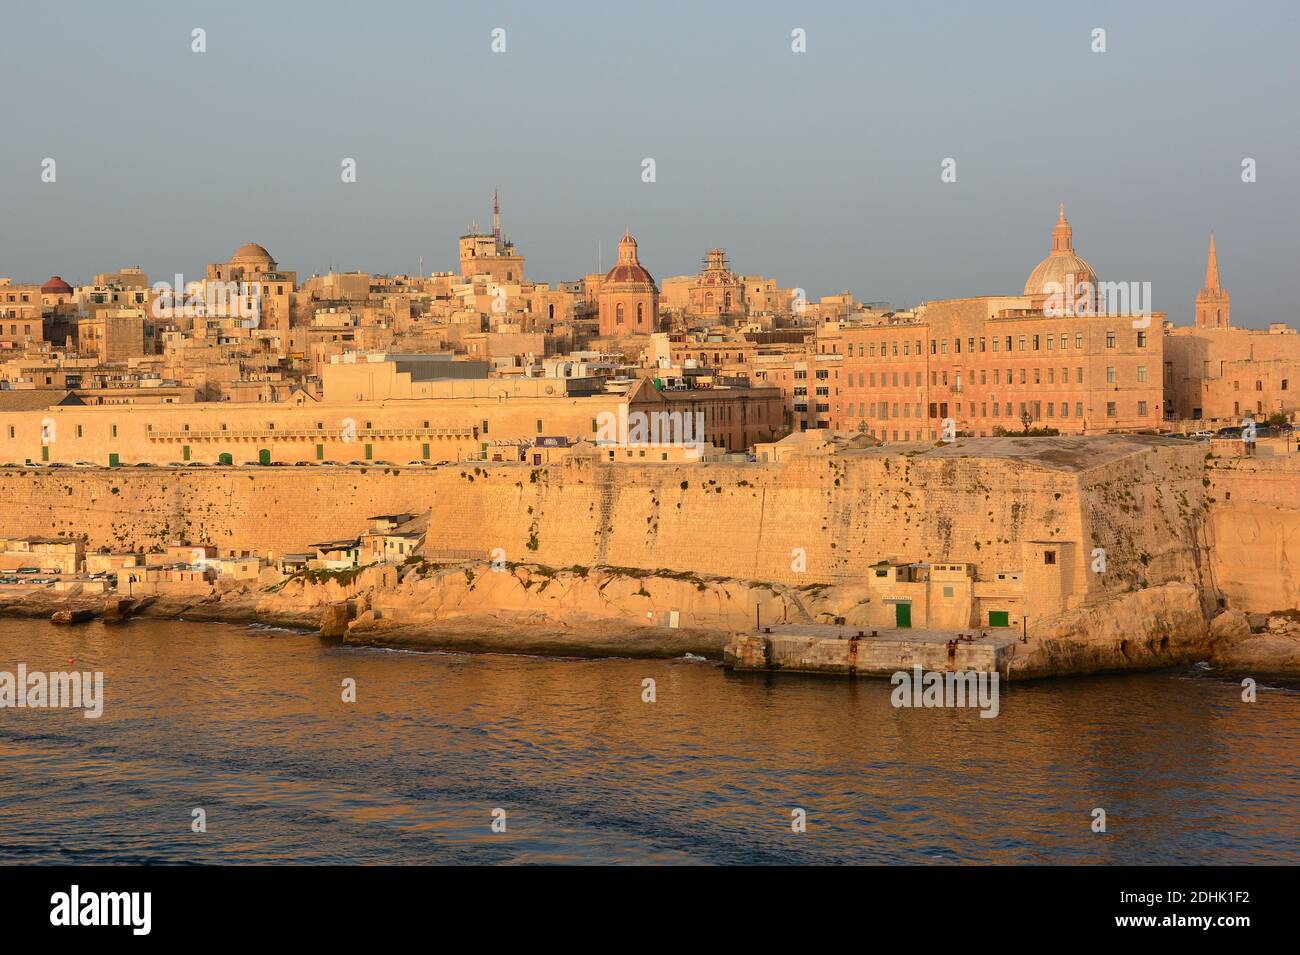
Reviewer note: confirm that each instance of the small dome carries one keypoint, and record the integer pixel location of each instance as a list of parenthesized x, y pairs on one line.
[(629, 267), (56, 286), (1062, 269), (251, 253), (629, 273)]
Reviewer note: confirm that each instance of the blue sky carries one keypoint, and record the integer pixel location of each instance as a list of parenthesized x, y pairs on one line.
[(820, 170)]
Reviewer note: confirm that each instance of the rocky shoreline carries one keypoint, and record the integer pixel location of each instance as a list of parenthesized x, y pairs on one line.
[(530, 609)]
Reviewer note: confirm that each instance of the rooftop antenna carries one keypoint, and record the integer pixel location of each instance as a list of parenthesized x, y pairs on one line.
[(496, 219)]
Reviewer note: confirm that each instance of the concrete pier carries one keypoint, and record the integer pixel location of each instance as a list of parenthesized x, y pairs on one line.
[(813, 648)]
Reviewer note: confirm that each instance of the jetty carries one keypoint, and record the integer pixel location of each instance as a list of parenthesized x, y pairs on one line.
[(853, 650)]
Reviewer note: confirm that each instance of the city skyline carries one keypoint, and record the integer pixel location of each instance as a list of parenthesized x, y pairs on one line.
[(816, 168), (605, 259), (741, 433)]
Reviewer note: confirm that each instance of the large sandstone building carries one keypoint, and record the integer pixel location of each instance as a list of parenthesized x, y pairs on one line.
[(985, 365)]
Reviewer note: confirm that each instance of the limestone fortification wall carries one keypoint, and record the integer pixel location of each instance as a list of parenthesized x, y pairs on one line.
[(815, 519), (276, 510), (1254, 531), (833, 515), (1147, 512)]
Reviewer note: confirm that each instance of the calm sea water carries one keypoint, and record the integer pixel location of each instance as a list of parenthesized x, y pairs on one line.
[(249, 725)]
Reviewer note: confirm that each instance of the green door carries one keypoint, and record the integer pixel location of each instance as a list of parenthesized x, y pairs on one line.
[(185, 452), (999, 618), (113, 460), (264, 456), (903, 616), (225, 458)]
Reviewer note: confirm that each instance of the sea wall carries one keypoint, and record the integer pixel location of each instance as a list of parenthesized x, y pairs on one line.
[(823, 518)]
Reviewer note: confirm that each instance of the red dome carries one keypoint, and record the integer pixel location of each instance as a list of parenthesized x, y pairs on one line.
[(56, 286), (629, 273)]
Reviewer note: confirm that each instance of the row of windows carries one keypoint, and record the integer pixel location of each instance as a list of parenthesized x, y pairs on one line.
[(1035, 409), (996, 343), (891, 379)]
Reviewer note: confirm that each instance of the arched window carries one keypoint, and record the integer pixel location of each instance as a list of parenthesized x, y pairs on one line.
[(708, 300), (640, 312), (618, 314)]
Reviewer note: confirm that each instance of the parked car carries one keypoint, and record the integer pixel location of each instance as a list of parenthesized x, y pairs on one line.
[(145, 464)]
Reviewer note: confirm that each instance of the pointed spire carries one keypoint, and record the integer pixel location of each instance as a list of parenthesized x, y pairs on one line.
[(1213, 306), (1212, 268)]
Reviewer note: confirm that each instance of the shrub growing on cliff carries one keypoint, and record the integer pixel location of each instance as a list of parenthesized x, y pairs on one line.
[(344, 576)]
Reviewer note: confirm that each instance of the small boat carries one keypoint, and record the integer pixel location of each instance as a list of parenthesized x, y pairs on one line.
[(72, 616)]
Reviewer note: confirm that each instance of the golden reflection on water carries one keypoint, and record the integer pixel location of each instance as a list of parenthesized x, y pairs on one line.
[(250, 725)]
